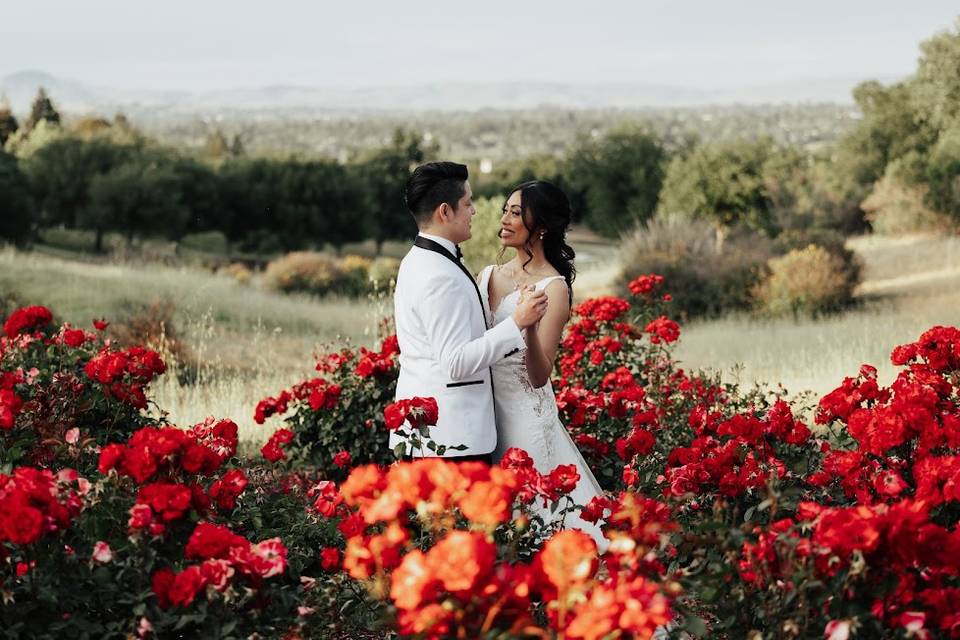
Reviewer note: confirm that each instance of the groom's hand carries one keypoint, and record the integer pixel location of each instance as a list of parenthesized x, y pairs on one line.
[(530, 308)]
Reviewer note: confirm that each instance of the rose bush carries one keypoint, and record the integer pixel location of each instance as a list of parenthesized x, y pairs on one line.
[(337, 414), (726, 515)]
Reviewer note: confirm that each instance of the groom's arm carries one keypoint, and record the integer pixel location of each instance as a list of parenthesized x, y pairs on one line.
[(445, 313)]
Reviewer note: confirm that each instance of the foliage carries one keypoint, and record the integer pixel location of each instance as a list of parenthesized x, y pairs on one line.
[(504, 177), (383, 175), (135, 198), (704, 281), (807, 192), (338, 411), (722, 183), (16, 201), (810, 280), (726, 514), (896, 207), (61, 174), (42, 110), (8, 123), (303, 271), (830, 241), (617, 178), (936, 87)]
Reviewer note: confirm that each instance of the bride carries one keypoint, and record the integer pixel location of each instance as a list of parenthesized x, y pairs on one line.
[(534, 224)]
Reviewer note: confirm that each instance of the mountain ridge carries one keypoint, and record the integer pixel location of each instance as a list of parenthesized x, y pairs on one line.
[(72, 95)]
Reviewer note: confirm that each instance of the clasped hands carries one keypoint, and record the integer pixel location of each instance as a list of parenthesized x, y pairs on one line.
[(530, 307)]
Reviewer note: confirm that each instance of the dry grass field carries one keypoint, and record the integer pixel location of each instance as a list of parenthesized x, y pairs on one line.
[(910, 284), (247, 342)]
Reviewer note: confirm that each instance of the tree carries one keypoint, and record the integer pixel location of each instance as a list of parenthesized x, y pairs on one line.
[(722, 183), (891, 127), (138, 197), (617, 179), (61, 172), (942, 173), (198, 185), (509, 174), (8, 123), (806, 193), (384, 174), (935, 88), (216, 146), (16, 202), (42, 109)]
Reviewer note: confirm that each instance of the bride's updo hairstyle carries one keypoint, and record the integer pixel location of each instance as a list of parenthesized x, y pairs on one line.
[(546, 210)]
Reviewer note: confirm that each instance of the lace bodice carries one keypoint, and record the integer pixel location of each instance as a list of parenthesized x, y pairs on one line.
[(515, 395)]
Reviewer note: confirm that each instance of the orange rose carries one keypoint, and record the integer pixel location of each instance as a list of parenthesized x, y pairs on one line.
[(569, 558), (462, 560)]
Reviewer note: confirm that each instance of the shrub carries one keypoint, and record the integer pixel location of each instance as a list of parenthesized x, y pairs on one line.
[(303, 271), (237, 271), (354, 279), (383, 271), (703, 281), (810, 280), (725, 512), (895, 207), (152, 325), (338, 411), (66, 390), (831, 241)]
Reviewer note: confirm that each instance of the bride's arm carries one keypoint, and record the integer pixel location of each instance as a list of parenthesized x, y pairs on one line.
[(543, 339)]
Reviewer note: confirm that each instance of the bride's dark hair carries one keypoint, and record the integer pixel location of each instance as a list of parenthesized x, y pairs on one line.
[(546, 209)]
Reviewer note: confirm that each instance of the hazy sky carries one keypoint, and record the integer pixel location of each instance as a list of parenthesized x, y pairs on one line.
[(211, 44)]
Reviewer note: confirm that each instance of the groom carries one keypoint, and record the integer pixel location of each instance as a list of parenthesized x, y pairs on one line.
[(445, 347)]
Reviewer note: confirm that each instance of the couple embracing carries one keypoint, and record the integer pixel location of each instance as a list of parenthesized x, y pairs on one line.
[(485, 347)]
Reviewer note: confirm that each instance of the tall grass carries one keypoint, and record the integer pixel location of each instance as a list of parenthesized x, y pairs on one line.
[(246, 342), (910, 285)]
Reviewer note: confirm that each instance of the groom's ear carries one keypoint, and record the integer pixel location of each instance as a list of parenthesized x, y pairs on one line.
[(442, 212)]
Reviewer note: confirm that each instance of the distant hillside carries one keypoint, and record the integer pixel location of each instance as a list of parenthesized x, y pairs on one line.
[(76, 96)]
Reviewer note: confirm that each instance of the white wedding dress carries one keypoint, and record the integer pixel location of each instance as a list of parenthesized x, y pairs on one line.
[(527, 418)]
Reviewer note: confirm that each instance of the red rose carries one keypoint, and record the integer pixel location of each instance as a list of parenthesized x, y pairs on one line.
[(225, 491), (342, 459), (161, 582), (663, 330), (26, 318), (10, 405), (74, 337), (185, 586), (273, 450), (395, 414), (330, 558), (210, 541), (24, 525)]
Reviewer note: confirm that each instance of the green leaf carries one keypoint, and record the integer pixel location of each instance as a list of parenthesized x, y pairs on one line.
[(695, 626)]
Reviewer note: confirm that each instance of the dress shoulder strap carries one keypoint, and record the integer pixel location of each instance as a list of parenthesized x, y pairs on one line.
[(543, 283), (484, 276)]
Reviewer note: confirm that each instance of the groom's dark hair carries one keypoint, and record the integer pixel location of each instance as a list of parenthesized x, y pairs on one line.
[(432, 184)]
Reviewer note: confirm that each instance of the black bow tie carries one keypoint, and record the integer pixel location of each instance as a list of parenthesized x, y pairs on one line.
[(459, 253)]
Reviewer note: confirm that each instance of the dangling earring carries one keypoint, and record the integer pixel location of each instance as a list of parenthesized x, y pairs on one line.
[(542, 233)]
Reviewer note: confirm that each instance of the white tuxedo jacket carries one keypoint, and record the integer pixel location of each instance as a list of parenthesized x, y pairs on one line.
[(445, 347)]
